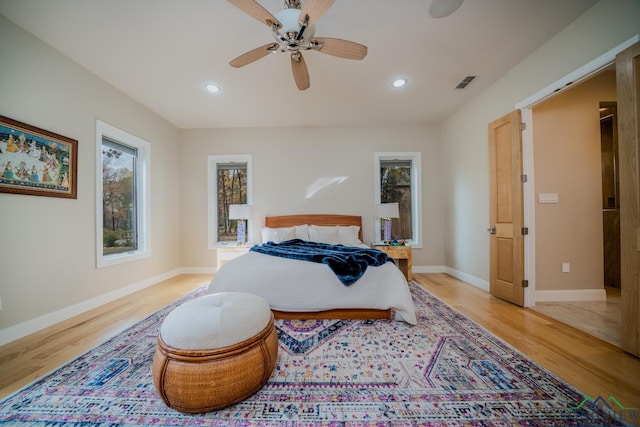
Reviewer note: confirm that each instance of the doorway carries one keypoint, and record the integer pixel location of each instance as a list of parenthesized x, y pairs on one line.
[(626, 56), (576, 198)]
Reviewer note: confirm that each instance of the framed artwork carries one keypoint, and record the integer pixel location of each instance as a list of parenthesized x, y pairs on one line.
[(36, 162)]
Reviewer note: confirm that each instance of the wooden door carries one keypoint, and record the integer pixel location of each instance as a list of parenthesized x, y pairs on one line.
[(628, 89), (506, 209)]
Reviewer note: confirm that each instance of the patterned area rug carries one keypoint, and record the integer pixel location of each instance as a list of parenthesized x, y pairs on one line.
[(446, 371)]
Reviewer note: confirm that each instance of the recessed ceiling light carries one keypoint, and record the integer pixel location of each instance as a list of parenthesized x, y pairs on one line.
[(399, 82), (212, 88)]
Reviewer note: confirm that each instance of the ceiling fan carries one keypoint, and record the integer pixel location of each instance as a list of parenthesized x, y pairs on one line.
[(293, 28)]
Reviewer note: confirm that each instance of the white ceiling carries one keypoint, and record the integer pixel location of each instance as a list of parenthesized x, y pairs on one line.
[(162, 52)]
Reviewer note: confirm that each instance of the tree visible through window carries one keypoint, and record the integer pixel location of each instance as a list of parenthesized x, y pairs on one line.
[(232, 190), (229, 179), (123, 171), (395, 186), (119, 218)]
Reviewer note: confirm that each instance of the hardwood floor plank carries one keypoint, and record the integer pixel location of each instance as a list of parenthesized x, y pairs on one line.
[(27, 359)]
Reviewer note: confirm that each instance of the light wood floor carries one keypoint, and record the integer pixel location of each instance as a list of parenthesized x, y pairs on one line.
[(27, 359), (595, 367), (599, 318)]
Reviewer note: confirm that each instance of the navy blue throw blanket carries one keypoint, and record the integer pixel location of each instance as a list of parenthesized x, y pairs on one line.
[(348, 262)]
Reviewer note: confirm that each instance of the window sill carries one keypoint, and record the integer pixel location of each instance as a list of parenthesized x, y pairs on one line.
[(108, 261)]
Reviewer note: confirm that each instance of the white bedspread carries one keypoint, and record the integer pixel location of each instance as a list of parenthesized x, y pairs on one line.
[(294, 285)]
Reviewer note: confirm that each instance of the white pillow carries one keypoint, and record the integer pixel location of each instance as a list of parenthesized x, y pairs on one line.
[(278, 235), (302, 232), (348, 235), (324, 234)]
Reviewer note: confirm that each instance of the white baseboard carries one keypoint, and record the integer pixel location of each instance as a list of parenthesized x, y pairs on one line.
[(23, 329), (198, 270), (571, 295), (541, 296), (428, 269), (473, 280)]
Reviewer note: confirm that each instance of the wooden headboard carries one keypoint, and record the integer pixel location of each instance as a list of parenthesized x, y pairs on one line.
[(313, 219)]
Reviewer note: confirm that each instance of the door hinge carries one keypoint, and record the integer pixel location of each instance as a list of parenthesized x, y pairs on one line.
[(523, 126), (525, 283), (525, 231), (523, 178)]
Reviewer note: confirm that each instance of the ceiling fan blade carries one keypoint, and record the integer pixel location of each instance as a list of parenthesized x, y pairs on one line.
[(442, 8), (253, 9), (315, 9), (300, 71), (253, 55), (341, 48)]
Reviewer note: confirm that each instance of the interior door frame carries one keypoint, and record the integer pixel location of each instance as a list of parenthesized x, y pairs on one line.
[(529, 198)]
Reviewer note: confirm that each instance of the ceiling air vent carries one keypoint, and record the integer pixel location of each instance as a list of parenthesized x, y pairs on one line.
[(465, 82)]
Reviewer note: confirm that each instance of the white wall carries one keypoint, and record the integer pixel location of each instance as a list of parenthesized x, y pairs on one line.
[(567, 158), (288, 160), (464, 133), (47, 245)]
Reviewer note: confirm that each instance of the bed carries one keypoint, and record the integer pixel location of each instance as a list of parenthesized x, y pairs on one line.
[(298, 289)]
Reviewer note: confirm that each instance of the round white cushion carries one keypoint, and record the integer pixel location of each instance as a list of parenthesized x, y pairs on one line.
[(215, 321)]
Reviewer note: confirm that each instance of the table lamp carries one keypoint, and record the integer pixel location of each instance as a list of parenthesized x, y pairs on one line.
[(386, 211), (240, 213)]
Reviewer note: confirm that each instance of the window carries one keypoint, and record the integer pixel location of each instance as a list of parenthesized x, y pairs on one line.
[(122, 165), (229, 183), (398, 177)]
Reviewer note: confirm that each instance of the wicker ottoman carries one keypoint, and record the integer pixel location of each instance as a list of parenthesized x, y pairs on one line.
[(214, 351)]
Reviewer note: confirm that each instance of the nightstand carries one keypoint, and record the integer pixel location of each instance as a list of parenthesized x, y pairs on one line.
[(401, 254), (227, 253)]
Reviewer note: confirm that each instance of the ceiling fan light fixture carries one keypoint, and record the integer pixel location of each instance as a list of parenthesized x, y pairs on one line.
[(399, 82), (289, 18)]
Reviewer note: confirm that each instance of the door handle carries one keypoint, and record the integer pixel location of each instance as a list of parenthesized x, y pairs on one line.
[(491, 230)]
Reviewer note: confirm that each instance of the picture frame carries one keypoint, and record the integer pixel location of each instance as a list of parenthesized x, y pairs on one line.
[(37, 162)]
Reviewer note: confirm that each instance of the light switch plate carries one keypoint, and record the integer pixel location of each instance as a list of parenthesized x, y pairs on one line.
[(547, 197)]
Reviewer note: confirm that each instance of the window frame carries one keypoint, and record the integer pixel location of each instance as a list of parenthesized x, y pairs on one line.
[(142, 190), (416, 192), (212, 195)]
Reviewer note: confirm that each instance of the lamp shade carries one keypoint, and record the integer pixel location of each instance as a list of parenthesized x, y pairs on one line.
[(387, 210), (240, 211)]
